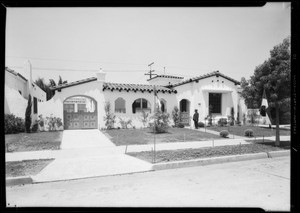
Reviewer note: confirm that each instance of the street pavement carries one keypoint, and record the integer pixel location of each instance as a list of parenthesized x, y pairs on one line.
[(263, 183)]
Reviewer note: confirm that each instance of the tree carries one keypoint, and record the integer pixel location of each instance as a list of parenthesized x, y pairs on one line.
[(109, 118), (160, 121), (28, 115), (45, 87), (274, 75), (176, 116)]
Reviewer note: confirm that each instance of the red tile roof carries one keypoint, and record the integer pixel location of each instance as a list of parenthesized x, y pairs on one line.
[(215, 73), (118, 86)]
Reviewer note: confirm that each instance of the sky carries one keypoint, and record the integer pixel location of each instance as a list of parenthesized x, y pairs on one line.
[(182, 41)]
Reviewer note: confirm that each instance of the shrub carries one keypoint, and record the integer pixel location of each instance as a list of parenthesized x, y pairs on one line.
[(176, 116), (124, 123), (35, 127), (180, 125), (109, 117), (144, 118), (28, 115), (13, 124), (224, 133), (222, 122), (160, 121), (252, 116), (249, 132), (200, 124)]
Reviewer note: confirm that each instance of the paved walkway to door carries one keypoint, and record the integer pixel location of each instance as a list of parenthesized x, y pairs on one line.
[(88, 138), (89, 153)]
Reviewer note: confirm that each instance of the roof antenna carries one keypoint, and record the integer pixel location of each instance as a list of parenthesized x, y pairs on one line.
[(150, 71)]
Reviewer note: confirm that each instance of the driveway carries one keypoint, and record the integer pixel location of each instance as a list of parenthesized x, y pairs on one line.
[(89, 153)]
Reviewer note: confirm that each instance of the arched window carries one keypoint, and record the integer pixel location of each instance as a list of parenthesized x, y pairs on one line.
[(140, 104), (163, 105), (120, 105)]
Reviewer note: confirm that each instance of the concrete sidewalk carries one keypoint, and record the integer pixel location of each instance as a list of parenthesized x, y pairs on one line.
[(88, 153)]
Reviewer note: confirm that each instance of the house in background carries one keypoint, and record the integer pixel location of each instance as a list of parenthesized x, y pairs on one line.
[(81, 104), (17, 90)]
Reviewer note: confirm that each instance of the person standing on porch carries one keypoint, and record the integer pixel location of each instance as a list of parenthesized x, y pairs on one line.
[(196, 118)]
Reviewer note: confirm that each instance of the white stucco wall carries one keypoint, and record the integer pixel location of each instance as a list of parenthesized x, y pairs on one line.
[(17, 83), (14, 102), (92, 89), (198, 95), (130, 97)]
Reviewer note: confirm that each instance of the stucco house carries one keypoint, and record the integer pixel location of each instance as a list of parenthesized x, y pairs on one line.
[(81, 103), (17, 90)]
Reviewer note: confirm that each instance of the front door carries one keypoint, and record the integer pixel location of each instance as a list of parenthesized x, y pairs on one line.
[(184, 112)]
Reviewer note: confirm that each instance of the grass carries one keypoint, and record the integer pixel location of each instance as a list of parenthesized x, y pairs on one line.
[(33, 141), (144, 136), (26, 167), (208, 152), (258, 131)]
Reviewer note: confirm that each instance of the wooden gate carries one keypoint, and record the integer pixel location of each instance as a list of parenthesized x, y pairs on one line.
[(80, 120)]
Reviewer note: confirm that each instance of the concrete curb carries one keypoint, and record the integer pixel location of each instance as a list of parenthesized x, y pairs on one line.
[(21, 180), (216, 160), (274, 154)]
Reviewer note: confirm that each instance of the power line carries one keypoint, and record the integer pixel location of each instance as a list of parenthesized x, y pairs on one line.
[(79, 70), (73, 60)]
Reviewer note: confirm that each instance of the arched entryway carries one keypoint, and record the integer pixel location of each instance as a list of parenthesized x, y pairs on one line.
[(184, 107), (80, 112)]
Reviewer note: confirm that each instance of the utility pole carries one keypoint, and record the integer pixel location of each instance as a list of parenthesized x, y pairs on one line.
[(150, 73)]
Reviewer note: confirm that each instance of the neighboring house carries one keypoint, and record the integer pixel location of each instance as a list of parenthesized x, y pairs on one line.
[(17, 90), (81, 104)]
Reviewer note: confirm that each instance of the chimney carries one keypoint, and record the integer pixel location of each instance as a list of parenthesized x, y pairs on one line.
[(101, 75)]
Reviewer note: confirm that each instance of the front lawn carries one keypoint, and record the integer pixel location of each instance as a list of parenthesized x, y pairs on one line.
[(208, 152), (144, 136), (33, 141), (26, 167), (258, 131)]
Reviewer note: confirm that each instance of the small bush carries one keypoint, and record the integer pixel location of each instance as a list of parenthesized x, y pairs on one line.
[(200, 124), (124, 123), (222, 122), (249, 132), (35, 127), (13, 124), (224, 133), (180, 125)]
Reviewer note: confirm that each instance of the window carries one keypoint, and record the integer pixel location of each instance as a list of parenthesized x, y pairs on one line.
[(120, 105), (35, 108), (215, 102), (69, 107), (139, 105), (163, 107), (81, 107), (184, 105)]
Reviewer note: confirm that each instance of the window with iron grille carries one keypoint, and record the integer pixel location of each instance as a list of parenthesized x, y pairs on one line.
[(215, 102)]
